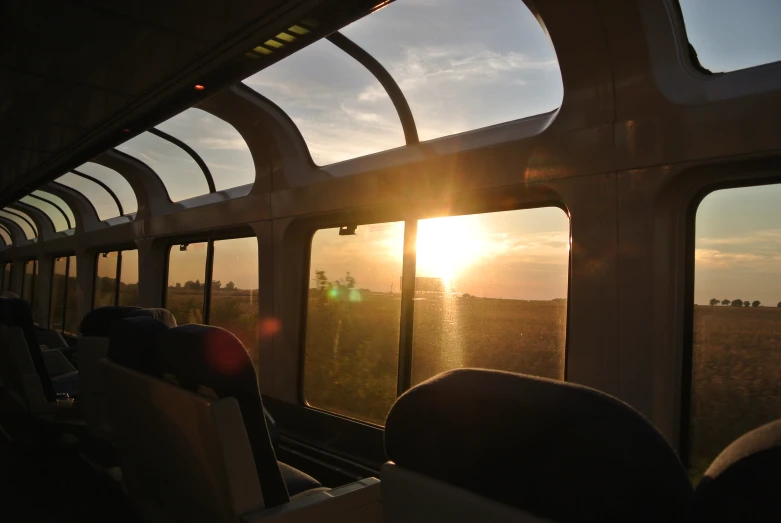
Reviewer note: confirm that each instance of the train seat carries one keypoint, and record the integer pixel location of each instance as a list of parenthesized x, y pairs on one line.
[(33, 376), (187, 456), (744, 482), (480, 445)]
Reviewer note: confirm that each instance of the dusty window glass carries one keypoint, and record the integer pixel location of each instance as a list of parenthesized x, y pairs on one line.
[(57, 304), (353, 321), (106, 279), (128, 278), (234, 297), (29, 285), (114, 181), (55, 216), (72, 320), (737, 319), (491, 292), (101, 200), (60, 203), (186, 280)]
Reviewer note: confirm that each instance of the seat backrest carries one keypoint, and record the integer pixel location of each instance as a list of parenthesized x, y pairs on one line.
[(132, 343), (19, 376), (15, 312), (547, 449), (199, 356), (184, 457), (743, 484), (163, 315), (97, 322)]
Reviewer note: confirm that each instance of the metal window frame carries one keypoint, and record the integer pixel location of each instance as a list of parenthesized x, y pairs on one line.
[(190, 151), (32, 211), (56, 206), (104, 186), (63, 187), (24, 219), (8, 232)]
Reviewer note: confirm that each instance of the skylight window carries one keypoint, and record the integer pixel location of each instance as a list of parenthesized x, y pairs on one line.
[(55, 216), (218, 143), (22, 220), (115, 182), (340, 108), (6, 236), (180, 174), (101, 200), (463, 64), (729, 35), (59, 202)]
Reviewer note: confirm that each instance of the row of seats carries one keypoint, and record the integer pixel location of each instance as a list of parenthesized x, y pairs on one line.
[(466, 445)]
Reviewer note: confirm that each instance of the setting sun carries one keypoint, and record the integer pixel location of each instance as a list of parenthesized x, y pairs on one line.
[(447, 246)]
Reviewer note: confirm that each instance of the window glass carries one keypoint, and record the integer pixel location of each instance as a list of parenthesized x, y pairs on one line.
[(6, 237), (339, 107), (352, 324), (218, 143), (115, 181), (729, 35), (30, 232), (57, 306), (737, 319), (128, 279), (490, 292), (463, 64), (30, 287), (72, 320), (57, 218), (182, 177), (186, 278), (7, 268), (106, 279), (60, 203), (99, 197), (234, 299)]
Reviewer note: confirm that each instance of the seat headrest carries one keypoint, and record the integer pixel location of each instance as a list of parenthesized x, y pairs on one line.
[(556, 450), (98, 321), (9, 294), (204, 355), (163, 315), (15, 312), (132, 342), (744, 481)]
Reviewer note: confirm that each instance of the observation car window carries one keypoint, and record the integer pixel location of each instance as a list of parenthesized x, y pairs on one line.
[(186, 279), (106, 279), (26, 224), (233, 304), (6, 237), (736, 352), (63, 316), (7, 268), (128, 278), (490, 292), (462, 64), (180, 174), (218, 143), (352, 323), (29, 282), (114, 181), (101, 200), (730, 35), (340, 108), (60, 203), (57, 218)]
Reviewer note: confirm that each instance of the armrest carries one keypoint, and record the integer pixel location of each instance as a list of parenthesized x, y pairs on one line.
[(358, 502)]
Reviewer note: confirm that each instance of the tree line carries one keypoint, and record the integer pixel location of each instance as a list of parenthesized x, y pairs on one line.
[(196, 285), (737, 303)]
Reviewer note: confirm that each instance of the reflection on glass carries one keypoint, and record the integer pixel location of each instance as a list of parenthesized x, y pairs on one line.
[(490, 292), (6, 237), (60, 203), (128, 279), (737, 319), (56, 217), (177, 170), (115, 181), (106, 280), (340, 108), (186, 278), (7, 267), (234, 299), (729, 35), (29, 232), (218, 143), (352, 325), (59, 277), (99, 197), (463, 64), (72, 320)]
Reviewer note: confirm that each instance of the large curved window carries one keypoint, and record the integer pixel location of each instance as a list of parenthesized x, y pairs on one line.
[(55, 216), (463, 64), (6, 236), (99, 197), (339, 107), (22, 220), (115, 182), (728, 35), (180, 174), (218, 143), (60, 203)]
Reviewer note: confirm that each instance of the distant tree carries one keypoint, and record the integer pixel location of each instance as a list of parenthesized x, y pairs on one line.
[(747, 303), (349, 281), (189, 285), (779, 304), (216, 285), (714, 301), (755, 303), (178, 285), (725, 302), (230, 286), (737, 303), (321, 281), (198, 285)]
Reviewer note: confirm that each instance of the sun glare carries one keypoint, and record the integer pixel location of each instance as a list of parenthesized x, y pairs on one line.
[(448, 246)]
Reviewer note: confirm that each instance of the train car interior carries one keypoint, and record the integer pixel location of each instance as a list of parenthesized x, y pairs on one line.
[(399, 261)]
